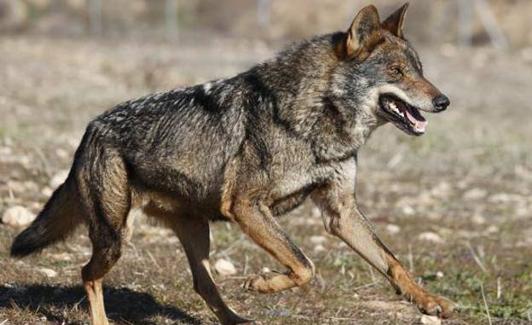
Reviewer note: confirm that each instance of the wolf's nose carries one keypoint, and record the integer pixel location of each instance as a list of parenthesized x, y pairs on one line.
[(440, 103)]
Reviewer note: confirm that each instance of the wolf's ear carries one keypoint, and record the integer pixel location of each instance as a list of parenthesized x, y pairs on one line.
[(394, 23), (363, 34)]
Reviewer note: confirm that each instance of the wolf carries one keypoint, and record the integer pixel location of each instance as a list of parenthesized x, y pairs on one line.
[(247, 149)]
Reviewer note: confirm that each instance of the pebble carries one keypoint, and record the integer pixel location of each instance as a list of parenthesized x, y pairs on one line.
[(20, 187), (47, 191), (319, 248), (475, 194), (492, 229), (478, 219), (18, 216), (408, 210), (442, 190), (393, 229), (316, 212), (224, 267), (431, 237), (62, 153), (61, 257), (318, 239), (58, 178), (504, 198), (48, 272), (430, 320)]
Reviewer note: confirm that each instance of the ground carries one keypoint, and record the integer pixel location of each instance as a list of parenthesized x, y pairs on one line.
[(455, 204)]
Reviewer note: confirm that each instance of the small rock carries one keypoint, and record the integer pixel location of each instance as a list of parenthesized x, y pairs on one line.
[(15, 186), (408, 210), (48, 272), (475, 194), (318, 239), (478, 219), (430, 320), (61, 257), (427, 198), (433, 215), (431, 237), (448, 50), (319, 248), (492, 229), (504, 198), (265, 270), (62, 153), (5, 151), (27, 186), (47, 191), (224, 267), (443, 189), (58, 178), (316, 212), (393, 229), (34, 206), (18, 216)]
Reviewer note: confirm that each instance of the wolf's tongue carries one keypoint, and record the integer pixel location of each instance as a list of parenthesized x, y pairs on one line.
[(420, 124)]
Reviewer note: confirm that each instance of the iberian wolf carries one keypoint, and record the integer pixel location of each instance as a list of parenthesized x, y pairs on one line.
[(247, 149)]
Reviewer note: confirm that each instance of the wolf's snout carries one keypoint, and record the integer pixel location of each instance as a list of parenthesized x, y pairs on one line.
[(441, 103)]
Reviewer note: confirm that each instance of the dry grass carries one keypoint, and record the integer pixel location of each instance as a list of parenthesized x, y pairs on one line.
[(469, 181)]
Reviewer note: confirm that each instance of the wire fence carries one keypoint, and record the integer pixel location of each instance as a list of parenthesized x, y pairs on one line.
[(464, 22)]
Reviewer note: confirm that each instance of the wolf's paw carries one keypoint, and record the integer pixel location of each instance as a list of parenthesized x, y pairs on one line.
[(258, 283), (434, 305)]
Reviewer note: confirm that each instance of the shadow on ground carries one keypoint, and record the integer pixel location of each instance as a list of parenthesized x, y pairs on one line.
[(122, 305)]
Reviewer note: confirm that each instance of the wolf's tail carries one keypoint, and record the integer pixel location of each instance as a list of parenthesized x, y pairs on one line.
[(55, 222)]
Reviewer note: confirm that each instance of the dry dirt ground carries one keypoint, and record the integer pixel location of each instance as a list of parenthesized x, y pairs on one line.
[(455, 204)]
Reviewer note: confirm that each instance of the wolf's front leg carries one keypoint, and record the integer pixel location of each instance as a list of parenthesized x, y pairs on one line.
[(343, 219), (256, 220)]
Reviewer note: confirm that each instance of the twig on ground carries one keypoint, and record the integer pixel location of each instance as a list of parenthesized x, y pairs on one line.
[(368, 285), (410, 259), (76, 305), (485, 304), (476, 258), (499, 288), (153, 260)]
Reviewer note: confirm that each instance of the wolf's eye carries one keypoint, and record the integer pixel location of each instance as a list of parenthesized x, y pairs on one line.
[(397, 72)]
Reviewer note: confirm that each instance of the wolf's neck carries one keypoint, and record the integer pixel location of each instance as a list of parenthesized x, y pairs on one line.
[(302, 76)]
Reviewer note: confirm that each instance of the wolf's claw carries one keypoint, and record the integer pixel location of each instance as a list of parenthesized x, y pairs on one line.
[(256, 283), (436, 306)]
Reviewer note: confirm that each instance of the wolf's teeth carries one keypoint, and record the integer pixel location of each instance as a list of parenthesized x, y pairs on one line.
[(394, 107)]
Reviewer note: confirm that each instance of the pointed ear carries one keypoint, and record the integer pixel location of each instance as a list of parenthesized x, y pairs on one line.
[(363, 34), (394, 23)]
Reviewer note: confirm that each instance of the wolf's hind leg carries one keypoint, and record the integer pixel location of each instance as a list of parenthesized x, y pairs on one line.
[(106, 251), (193, 232), (106, 197)]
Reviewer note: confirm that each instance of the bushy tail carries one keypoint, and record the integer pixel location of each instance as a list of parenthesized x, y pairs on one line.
[(57, 220)]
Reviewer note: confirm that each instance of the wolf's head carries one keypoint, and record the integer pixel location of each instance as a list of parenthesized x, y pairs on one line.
[(380, 73)]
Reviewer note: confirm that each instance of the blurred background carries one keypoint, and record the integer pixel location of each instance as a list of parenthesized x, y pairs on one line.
[(469, 22), (455, 204)]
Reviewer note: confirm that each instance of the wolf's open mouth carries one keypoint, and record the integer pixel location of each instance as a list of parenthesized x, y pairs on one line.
[(405, 116)]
